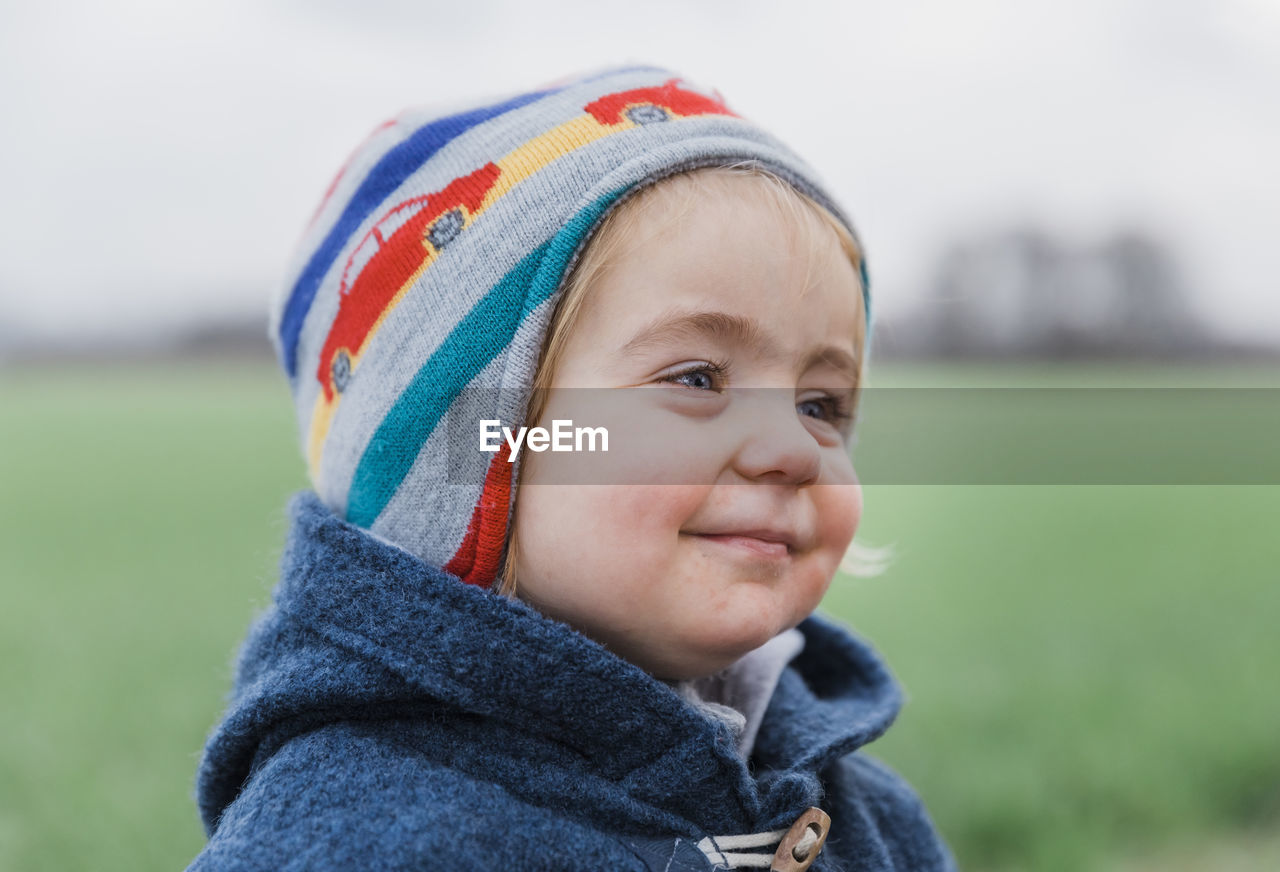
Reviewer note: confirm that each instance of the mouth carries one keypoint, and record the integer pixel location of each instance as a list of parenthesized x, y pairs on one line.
[(752, 545)]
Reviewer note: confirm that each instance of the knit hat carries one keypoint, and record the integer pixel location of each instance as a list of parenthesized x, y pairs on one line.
[(432, 267)]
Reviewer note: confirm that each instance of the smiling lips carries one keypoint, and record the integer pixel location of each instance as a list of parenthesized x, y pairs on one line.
[(764, 543)]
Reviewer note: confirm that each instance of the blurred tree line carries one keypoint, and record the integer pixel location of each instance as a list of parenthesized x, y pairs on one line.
[(1024, 292)]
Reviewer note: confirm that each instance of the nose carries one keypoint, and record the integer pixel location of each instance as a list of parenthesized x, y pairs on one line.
[(778, 448)]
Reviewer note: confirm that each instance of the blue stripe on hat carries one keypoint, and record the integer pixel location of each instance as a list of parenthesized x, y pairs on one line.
[(475, 341), (387, 175)]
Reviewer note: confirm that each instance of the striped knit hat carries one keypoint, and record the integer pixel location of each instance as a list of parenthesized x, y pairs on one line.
[(431, 270)]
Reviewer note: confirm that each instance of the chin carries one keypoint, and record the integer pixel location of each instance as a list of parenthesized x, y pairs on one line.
[(748, 626), (731, 647), (696, 663)]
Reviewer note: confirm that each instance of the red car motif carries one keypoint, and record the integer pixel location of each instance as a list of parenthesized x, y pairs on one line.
[(649, 105), (390, 256)]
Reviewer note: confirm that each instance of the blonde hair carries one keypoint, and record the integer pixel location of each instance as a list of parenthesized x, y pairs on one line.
[(620, 231)]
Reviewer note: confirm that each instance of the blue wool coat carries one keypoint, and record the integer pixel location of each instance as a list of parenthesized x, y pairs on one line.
[(386, 716)]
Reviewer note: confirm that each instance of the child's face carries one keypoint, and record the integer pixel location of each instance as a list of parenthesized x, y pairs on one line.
[(636, 565)]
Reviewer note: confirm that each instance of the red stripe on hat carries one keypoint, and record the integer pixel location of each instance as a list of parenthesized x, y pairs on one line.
[(476, 561)]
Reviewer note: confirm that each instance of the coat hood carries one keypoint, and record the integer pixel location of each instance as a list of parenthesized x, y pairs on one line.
[(361, 629)]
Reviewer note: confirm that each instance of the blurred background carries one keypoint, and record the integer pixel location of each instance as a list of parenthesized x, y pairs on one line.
[(1051, 194)]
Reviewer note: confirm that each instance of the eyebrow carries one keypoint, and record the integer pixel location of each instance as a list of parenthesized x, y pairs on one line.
[(724, 326)]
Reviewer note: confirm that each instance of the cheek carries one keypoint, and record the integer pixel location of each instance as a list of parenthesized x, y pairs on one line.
[(841, 511), (594, 556), (839, 506), (567, 530), (647, 508)]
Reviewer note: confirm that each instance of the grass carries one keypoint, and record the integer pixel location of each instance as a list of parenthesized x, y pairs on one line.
[(1088, 666), (1090, 669)]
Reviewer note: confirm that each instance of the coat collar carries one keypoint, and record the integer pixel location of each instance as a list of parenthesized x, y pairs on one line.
[(498, 658)]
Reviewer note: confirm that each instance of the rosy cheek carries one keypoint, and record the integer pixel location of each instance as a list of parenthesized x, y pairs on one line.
[(649, 508), (842, 490), (855, 509), (840, 513)]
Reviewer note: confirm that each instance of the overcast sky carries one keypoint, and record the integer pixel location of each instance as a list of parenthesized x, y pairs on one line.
[(159, 159)]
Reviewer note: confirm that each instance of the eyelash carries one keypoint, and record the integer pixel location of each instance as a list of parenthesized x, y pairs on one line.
[(718, 368), (837, 408)]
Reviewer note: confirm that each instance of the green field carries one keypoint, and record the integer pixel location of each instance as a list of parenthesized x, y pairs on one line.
[(1091, 669)]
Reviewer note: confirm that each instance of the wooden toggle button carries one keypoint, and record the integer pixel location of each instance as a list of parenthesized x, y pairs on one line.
[(800, 846)]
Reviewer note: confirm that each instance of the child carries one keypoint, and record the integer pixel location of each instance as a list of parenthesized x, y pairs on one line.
[(485, 655)]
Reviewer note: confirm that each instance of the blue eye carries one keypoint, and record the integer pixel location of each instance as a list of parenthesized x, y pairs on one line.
[(834, 410), (703, 377)]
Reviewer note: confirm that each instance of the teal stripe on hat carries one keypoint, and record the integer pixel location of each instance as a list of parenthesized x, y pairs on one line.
[(472, 344)]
